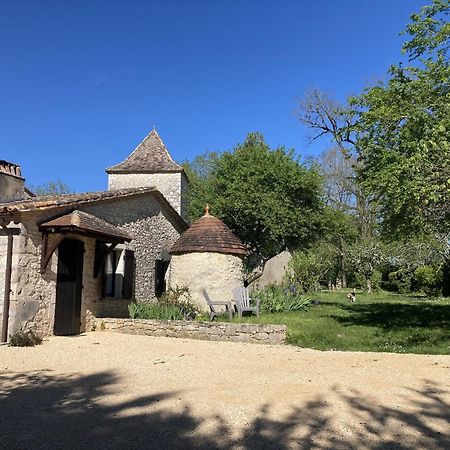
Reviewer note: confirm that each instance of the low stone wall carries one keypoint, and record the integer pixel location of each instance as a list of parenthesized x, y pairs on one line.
[(210, 331)]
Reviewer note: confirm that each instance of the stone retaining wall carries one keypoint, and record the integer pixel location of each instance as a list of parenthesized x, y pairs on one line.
[(210, 331)]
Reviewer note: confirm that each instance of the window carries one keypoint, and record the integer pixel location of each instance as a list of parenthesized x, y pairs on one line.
[(118, 274)]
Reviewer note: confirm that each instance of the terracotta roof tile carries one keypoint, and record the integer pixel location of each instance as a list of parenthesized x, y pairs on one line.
[(74, 200), (54, 201), (150, 156), (80, 221), (209, 234)]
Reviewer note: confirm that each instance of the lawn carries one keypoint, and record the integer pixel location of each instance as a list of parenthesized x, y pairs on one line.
[(380, 322)]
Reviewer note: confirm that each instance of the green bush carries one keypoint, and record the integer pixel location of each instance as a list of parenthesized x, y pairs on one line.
[(25, 339), (308, 268), (375, 279), (180, 298), (154, 311), (281, 299), (399, 281), (175, 304), (360, 282), (429, 280)]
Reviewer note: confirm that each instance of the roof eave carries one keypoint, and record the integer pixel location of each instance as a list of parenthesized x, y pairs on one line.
[(133, 171), (92, 233), (236, 252)]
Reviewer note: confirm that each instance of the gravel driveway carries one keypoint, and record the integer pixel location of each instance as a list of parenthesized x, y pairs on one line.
[(106, 390)]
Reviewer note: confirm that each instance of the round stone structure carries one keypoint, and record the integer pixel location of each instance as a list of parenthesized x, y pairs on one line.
[(207, 256)]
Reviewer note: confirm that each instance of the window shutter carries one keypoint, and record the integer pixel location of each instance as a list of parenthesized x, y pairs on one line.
[(161, 267), (99, 258), (128, 276)]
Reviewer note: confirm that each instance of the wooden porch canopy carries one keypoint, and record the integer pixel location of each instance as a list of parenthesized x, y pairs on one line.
[(82, 223)]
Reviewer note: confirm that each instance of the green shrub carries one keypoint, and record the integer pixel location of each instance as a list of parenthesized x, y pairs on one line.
[(429, 280), (25, 339), (281, 299), (308, 268), (360, 281), (134, 310), (154, 311), (375, 279), (180, 298), (399, 281), (175, 304)]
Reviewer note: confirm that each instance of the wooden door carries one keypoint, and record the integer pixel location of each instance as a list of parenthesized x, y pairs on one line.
[(69, 287)]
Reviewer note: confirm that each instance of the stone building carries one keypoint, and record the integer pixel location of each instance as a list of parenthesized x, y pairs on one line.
[(207, 256), (64, 259), (150, 164)]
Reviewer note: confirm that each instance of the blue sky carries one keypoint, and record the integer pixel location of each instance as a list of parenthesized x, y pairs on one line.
[(81, 83)]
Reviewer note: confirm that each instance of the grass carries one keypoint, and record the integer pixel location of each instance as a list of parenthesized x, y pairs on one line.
[(380, 322)]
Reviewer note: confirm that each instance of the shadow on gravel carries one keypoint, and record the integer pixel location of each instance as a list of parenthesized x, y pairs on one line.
[(38, 410)]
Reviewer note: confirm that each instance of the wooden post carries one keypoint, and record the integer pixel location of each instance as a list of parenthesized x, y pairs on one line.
[(9, 232)]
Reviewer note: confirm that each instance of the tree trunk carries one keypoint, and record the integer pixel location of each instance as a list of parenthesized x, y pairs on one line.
[(344, 280), (364, 214), (369, 286), (343, 264)]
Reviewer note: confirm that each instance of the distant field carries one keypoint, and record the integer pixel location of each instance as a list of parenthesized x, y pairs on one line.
[(380, 322)]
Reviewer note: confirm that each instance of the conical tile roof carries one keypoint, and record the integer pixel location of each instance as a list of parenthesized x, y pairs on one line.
[(150, 156), (208, 234)]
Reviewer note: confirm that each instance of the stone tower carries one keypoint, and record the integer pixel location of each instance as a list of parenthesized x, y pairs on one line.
[(207, 256), (149, 165)]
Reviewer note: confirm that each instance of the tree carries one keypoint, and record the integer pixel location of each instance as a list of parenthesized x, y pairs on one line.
[(403, 127), (199, 172), (267, 198), (411, 257), (367, 257), (340, 193), (309, 267), (51, 188), (337, 170), (340, 232), (324, 117)]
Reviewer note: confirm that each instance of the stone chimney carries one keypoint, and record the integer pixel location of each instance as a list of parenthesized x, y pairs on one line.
[(12, 185)]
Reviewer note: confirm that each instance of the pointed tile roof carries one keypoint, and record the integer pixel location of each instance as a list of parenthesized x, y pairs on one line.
[(208, 234), (150, 156)]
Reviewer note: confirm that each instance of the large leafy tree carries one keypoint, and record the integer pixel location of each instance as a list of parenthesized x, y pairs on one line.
[(200, 174), (403, 128), (268, 199)]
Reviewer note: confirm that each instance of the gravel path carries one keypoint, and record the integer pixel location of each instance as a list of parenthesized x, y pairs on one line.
[(106, 390)]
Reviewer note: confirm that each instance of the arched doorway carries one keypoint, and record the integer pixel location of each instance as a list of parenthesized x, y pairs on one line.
[(69, 287)]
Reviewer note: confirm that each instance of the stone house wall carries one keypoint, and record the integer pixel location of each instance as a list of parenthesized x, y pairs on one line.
[(33, 294), (216, 272), (153, 231), (172, 185)]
